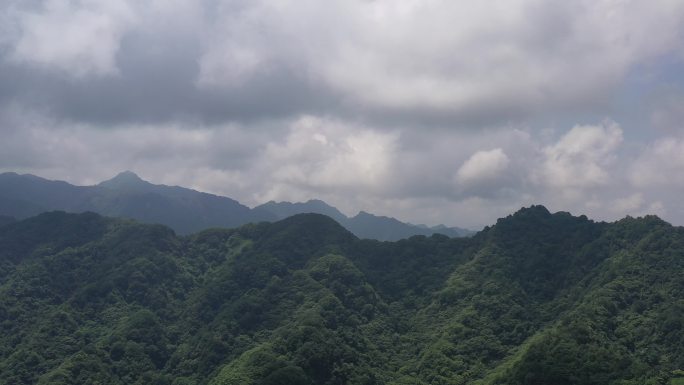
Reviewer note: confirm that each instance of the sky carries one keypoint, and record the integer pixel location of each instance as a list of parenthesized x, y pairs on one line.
[(454, 112)]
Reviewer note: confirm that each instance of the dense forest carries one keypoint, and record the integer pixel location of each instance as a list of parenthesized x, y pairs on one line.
[(537, 298)]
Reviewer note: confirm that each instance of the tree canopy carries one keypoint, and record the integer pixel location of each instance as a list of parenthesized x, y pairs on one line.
[(537, 298)]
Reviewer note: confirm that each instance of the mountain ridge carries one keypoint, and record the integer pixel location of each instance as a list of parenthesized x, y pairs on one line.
[(185, 210), (363, 224)]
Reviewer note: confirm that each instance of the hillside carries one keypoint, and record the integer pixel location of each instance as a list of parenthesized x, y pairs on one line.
[(537, 298)]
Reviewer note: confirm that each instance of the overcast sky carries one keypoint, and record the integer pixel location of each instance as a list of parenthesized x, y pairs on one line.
[(455, 112)]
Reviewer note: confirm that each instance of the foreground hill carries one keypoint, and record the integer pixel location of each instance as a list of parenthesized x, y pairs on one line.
[(184, 210), (538, 298)]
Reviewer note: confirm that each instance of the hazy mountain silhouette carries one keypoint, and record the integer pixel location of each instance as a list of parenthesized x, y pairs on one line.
[(125, 195), (184, 210), (363, 224)]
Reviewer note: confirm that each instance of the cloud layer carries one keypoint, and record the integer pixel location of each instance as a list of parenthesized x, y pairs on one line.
[(431, 111)]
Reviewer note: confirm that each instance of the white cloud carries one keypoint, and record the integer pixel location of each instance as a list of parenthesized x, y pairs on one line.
[(579, 159), (628, 204), (461, 58), (320, 154), (78, 37), (483, 166), (637, 205), (661, 164)]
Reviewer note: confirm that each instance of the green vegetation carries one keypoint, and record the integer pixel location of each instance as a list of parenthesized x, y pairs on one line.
[(538, 298)]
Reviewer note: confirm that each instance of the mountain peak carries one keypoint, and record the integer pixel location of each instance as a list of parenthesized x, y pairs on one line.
[(533, 210), (128, 174), (125, 180), (283, 210), (532, 213), (318, 202)]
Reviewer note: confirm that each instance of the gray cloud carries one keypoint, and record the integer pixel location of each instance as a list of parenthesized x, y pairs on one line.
[(424, 62), (353, 166), (432, 111)]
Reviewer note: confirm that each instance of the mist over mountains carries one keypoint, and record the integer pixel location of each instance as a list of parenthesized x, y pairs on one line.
[(184, 210)]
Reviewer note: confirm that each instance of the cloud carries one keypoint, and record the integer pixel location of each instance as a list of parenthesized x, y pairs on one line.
[(77, 37), (483, 166), (429, 110), (668, 112), (361, 167), (628, 204), (236, 48), (416, 62), (322, 155), (660, 164), (450, 58), (579, 159), (80, 153)]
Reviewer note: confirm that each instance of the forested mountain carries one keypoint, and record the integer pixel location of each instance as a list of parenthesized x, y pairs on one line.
[(363, 225), (184, 210), (537, 298)]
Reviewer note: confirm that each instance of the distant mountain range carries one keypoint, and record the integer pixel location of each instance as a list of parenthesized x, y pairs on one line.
[(363, 224), (184, 210), (126, 195)]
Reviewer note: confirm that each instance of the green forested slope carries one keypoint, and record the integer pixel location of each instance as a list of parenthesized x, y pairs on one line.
[(537, 298)]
